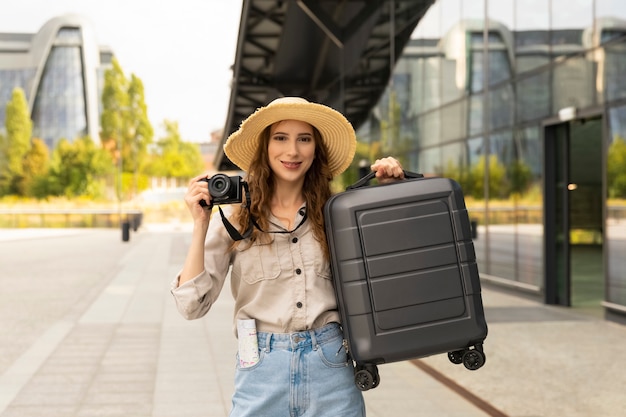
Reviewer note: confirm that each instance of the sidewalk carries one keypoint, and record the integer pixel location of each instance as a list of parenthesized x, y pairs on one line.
[(89, 329)]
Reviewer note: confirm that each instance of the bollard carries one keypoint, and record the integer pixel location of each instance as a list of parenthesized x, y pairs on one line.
[(125, 231)]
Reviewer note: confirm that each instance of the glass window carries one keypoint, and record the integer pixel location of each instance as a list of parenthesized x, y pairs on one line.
[(526, 176), (455, 162), (429, 128), (499, 66), (473, 9), (611, 8), (501, 103), (449, 14), (9, 79), (475, 148), (572, 84), (476, 71), (59, 109), (426, 83), (475, 118), (570, 14), (502, 11), (533, 97), (429, 161), (616, 206), (531, 33), (453, 121), (70, 35), (614, 70)]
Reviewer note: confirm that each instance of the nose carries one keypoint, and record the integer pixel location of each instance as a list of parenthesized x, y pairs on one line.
[(292, 147)]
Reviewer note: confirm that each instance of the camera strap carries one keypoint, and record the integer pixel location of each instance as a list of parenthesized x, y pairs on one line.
[(234, 233)]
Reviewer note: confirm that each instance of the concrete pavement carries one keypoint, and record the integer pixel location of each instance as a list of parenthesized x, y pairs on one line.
[(89, 329)]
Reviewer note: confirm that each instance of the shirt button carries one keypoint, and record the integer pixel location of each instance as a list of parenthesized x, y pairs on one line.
[(294, 240), (301, 212), (299, 304), (298, 271)]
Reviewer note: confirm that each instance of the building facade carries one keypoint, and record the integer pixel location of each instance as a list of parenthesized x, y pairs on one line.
[(523, 102), (60, 68)]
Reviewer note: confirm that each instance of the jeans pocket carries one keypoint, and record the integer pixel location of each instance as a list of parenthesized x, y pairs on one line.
[(250, 368), (333, 353)]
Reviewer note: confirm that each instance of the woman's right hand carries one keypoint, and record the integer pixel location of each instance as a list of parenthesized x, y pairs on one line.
[(197, 191)]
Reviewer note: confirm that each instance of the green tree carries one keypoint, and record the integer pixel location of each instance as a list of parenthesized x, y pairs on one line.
[(115, 101), (36, 165), (173, 157), (77, 168), (126, 131), (16, 143)]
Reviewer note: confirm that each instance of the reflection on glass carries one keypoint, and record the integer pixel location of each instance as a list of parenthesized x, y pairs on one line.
[(568, 14), (429, 161), (501, 103), (533, 97), (455, 116), (467, 88), (616, 207), (612, 58), (572, 84)]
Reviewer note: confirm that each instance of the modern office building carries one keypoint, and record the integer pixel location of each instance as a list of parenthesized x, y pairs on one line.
[(60, 69), (523, 102)]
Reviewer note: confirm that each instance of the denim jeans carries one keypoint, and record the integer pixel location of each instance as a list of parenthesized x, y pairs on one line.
[(298, 375)]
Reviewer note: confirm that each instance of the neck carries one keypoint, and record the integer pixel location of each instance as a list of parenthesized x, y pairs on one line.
[(287, 195)]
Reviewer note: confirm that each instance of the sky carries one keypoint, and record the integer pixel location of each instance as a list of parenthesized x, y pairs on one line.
[(182, 50)]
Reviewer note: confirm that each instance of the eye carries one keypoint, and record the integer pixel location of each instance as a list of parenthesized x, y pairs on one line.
[(279, 137), (305, 138)]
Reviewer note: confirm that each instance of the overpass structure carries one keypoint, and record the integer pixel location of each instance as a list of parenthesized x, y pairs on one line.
[(336, 52)]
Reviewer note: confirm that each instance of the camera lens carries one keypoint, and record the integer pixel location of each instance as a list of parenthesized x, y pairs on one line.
[(219, 185)]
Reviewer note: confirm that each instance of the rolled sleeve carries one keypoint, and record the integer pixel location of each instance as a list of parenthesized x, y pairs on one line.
[(195, 297)]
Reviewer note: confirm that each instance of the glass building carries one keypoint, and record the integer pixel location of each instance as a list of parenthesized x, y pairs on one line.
[(523, 102), (60, 69)]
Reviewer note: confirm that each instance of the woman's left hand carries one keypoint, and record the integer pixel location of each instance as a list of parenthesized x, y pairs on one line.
[(388, 170)]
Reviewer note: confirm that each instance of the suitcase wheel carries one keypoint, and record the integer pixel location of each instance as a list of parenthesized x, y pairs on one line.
[(456, 357), (366, 377), (473, 359)]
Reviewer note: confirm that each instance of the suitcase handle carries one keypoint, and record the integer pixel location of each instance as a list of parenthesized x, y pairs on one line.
[(360, 183)]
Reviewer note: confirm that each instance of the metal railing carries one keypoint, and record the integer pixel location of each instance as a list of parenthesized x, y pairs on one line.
[(35, 217)]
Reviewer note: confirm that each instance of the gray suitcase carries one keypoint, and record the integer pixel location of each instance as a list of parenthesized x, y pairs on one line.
[(405, 274)]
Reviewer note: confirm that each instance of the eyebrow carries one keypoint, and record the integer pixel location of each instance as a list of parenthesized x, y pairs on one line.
[(299, 134)]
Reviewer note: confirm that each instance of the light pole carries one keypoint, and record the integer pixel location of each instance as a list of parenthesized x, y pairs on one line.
[(124, 224)]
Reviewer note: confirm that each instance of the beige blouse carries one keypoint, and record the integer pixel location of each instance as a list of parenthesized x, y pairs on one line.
[(285, 285)]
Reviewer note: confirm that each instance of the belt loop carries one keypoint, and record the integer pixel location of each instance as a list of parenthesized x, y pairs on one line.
[(313, 339), (268, 342)]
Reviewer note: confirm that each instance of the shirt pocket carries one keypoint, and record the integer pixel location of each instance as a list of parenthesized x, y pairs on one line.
[(321, 265), (259, 262)]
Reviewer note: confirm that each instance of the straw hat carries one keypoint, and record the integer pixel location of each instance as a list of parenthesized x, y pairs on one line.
[(337, 133)]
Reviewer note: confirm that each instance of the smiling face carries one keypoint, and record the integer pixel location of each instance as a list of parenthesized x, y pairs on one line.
[(291, 150)]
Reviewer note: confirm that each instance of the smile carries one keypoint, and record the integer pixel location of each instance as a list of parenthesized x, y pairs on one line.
[(291, 165)]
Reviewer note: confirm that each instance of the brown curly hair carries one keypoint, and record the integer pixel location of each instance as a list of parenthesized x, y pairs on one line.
[(260, 178)]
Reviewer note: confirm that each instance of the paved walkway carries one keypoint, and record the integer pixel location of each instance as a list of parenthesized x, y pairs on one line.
[(89, 329)]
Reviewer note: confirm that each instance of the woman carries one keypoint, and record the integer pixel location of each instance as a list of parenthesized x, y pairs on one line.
[(280, 278)]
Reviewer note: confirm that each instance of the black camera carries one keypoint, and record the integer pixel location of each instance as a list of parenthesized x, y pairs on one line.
[(224, 189)]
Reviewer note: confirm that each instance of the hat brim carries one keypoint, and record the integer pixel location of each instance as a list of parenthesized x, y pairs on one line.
[(337, 133)]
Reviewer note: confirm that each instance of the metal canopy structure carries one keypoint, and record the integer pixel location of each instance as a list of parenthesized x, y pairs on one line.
[(336, 52)]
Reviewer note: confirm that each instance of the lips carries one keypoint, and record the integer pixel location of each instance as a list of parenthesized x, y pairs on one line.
[(291, 165)]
